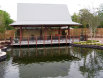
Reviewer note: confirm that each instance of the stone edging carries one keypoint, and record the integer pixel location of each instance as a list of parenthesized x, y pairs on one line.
[(2, 55), (87, 46)]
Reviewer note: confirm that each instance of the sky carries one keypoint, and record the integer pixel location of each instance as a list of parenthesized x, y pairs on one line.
[(73, 5)]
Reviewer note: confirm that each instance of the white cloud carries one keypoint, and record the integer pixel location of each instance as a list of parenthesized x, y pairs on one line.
[(73, 5)]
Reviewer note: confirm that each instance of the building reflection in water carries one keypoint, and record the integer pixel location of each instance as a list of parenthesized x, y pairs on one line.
[(43, 62), (53, 62)]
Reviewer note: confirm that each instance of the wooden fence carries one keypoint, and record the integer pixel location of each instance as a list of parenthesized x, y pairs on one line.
[(73, 32), (7, 34), (86, 31)]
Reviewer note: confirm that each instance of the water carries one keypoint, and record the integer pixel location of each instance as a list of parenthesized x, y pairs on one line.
[(52, 62)]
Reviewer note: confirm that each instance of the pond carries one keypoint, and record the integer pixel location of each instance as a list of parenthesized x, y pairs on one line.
[(52, 62)]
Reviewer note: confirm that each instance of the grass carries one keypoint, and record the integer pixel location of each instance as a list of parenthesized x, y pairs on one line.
[(89, 42)]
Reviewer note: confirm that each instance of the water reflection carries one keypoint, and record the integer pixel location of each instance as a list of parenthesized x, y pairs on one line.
[(32, 55), (2, 69), (92, 64), (43, 62), (53, 62)]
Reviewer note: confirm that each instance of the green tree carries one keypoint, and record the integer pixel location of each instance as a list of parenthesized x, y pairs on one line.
[(93, 22), (2, 25), (75, 18), (83, 13), (5, 20), (100, 14), (90, 19)]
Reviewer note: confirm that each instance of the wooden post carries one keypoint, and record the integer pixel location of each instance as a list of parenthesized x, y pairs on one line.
[(44, 40), (59, 31), (20, 41), (45, 33), (20, 35), (28, 41), (79, 38), (66, 39), (68, 32), (36, 41), (59, 39), (41, 31), (51, 39), (72, 36)]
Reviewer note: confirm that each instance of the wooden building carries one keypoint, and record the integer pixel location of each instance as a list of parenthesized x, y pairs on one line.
[(42, 22)]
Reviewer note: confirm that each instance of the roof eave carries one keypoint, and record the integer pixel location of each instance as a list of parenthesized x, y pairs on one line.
[(49, 25)]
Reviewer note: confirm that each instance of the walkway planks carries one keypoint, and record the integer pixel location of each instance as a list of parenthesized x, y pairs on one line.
[(41, 42)]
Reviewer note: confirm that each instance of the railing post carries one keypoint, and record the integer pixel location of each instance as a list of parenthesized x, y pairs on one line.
[(44, 40), (79, 38), (66, 39), (20, 35), (51, 39), (59, 40), (36, 41), (20, 41), (28, 41)]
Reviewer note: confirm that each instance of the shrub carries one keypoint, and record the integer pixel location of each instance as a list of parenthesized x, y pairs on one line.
[(91, 41)]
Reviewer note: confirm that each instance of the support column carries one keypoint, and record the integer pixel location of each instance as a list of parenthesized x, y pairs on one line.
[(20, 33), (45, 34), (68, 32), (41, 32), (59, 32)]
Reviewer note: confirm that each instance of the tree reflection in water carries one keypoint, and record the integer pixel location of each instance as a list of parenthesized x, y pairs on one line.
[(31, 55), (58, 61), (92, 62), (43, 62)]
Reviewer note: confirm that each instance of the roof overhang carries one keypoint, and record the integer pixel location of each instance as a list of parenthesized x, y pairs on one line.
[(49, 24), (36, 15)]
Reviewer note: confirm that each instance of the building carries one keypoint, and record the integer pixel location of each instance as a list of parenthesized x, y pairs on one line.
[(42, 21)]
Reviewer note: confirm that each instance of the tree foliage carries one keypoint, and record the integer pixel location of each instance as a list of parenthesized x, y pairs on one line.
[(81, 17), (5, 20), (100, 14), (94, 22), (88, 19), (75, 18), (84, 16)]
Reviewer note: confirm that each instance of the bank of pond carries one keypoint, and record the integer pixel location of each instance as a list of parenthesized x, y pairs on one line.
[(88, 44)]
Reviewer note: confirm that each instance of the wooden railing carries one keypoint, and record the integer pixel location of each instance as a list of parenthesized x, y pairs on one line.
[(44, 39)]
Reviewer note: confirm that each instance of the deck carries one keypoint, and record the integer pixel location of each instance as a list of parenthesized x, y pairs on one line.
[(43, 42)]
